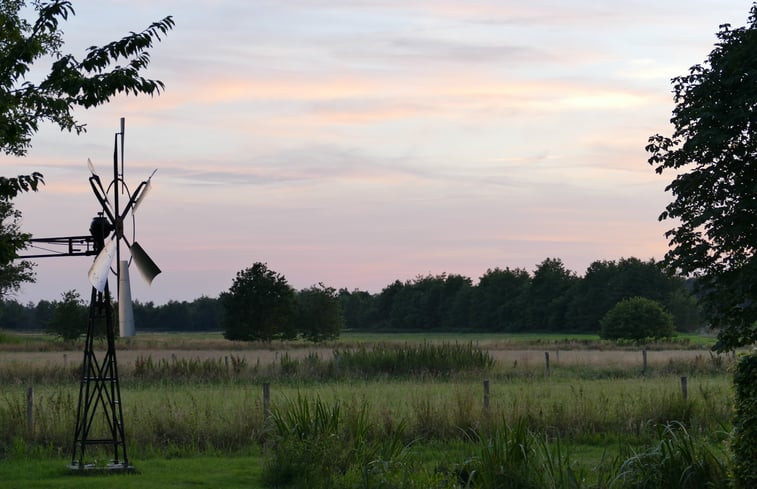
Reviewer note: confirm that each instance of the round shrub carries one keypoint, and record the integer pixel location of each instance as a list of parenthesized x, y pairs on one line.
[(635, 319)]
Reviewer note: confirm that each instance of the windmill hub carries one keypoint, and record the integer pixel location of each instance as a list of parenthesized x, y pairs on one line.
[(100, 228)]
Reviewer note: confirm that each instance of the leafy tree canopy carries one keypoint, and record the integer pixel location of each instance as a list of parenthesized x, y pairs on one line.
[(258, 306), (319, 314), (12, 273), (87, 82), (713, 155)]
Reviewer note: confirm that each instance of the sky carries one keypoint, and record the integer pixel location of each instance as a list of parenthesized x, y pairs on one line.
[(355, 143)]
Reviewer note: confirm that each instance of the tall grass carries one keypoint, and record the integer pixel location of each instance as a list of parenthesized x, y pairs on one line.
[(412, 359), (200, 417), (317, 445), (677, 460), (189, 369), (9, 338), (518, 458), (415, 360)]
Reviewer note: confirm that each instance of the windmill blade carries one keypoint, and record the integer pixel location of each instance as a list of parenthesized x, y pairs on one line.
[(125, 307), (97, 185), (98, 272), (139, 195), (143, 194), (145, 265)]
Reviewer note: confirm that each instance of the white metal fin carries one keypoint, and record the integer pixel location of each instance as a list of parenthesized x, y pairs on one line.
[(145, 265), (98, 272), (125, 308), (142, 195)]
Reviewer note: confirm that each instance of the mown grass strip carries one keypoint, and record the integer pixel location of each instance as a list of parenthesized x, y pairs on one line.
[(155, 473)]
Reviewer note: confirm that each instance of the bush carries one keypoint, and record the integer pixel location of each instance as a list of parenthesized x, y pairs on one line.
[(69, 319), (637, 318), (745, 423)]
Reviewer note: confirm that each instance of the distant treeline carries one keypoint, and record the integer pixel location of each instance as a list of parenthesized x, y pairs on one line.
[(552, 298), (201, 314)]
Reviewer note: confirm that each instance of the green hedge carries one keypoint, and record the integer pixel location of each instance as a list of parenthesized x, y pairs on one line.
[(744, 443)]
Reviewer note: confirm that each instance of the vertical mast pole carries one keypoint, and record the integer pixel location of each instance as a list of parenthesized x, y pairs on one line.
[(116, 214)]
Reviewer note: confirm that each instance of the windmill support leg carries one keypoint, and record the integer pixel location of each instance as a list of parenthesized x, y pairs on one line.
[(99, 415)]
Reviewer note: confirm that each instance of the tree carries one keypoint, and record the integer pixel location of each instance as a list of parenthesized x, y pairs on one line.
[(428, 302), (69, 319), (69, 84), (548, 294), (12, 240), (500, 296), (319, 313), (258, 306), (359, 309), (713, 155), (12, 273), (607, 282), (637, 318), (14, 315), (204, 313)]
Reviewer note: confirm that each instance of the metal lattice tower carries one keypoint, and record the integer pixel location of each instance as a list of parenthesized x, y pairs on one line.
[(99, 388)]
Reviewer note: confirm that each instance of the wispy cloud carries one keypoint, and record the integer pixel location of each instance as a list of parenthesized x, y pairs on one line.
[(360, 142)]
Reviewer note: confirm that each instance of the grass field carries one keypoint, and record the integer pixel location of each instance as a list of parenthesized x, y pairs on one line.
[(215, 340), (201, 404), (226, 471)]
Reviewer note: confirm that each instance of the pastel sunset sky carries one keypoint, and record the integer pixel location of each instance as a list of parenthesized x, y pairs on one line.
[(358, 142)]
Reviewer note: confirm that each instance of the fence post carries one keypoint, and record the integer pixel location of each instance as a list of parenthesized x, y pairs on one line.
[(685, 387), (65, 361), (486, 396), (30, 409), (644, 362), (546, 358), (266, 401)]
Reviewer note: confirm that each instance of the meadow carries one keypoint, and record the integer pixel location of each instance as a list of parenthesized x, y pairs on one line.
[(442, 399)]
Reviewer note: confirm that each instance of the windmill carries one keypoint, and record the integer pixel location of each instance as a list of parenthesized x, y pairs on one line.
[(99, 388)]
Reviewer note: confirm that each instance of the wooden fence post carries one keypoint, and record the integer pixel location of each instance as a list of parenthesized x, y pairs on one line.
[(30, 409), (486, 396), (685, 387), (546, 358), (266, 401), (644, 361)]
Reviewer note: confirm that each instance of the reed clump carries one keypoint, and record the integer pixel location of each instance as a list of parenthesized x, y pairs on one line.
[(189, 369), (417, 359)]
